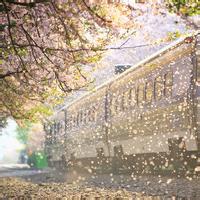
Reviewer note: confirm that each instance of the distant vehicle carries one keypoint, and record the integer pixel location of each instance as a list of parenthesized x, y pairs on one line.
[(145, 120), (23, 157), (121, 68)]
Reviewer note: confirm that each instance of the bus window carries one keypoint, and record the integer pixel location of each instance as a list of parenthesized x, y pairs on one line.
[(74, 121), (121, 102), (77, 119), (125, 100), (67, 124), (148, 91), (80, 118), (70, 123), (112, 107), (94, 113), (58, 127), (158, 88), (140, 94), (116, 105), (127, 97), (90, 115), (85, 117), (132, 96), (168, 84)]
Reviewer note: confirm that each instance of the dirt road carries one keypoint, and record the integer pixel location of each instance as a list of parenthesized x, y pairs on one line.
[(52, 184)]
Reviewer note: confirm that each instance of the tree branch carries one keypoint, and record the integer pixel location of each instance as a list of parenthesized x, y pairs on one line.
[(26, 4), (2, 76)]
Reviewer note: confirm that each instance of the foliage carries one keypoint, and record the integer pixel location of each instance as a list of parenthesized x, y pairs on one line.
[(43, 45), (173, 35), (184, 7), (23, 132), (3, 123)]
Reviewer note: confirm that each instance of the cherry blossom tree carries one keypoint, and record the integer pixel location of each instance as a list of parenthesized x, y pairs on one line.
[(43, 46)]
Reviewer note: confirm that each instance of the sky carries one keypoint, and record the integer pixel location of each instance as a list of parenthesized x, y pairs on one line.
[(9, 145)]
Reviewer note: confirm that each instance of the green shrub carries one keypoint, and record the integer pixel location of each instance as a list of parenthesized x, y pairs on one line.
[(184, 7)]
